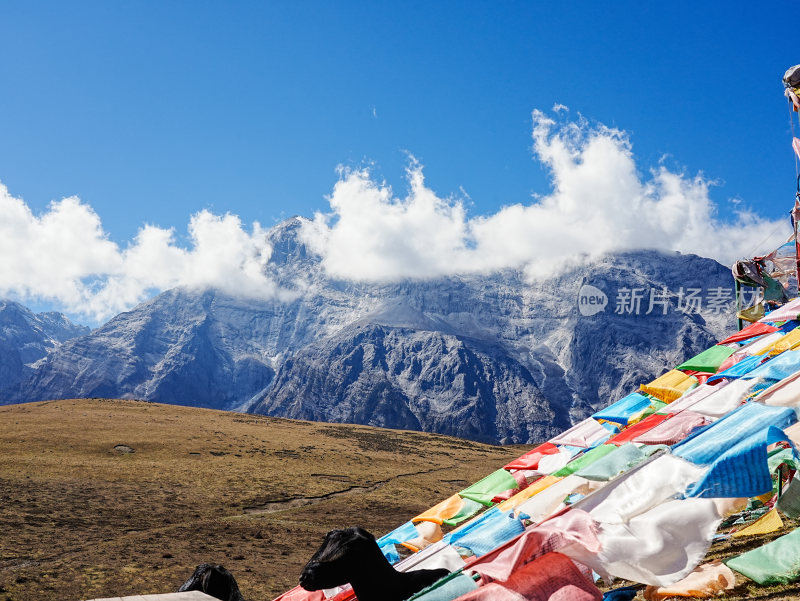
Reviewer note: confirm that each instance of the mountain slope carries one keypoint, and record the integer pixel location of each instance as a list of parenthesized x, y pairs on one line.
[(413, 379), (27, 337), (498, 358), (181, 347), (83, 517), (489, 357)]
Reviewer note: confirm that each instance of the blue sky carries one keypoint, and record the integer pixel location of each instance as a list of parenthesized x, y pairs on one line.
[(150, 112)]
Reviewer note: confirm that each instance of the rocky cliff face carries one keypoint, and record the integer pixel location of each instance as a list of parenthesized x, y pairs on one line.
[(498, 358), (27, 337), (492, 357), (414, 379), (181, 347)]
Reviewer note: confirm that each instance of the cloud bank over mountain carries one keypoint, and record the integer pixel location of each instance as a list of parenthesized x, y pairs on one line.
[(65, 257), (599, 202)]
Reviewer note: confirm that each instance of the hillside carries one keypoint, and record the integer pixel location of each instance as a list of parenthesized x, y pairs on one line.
[(490, 357), (113, 497), (27, 337), (84, 517)]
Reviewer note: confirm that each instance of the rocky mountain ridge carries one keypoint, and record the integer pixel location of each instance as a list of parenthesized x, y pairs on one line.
[(27, 337), (488, 357)]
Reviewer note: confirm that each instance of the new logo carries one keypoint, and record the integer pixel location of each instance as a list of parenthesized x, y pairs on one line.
[(591, 300)]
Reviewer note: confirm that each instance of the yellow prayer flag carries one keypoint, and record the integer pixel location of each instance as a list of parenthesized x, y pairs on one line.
[(669, 386), (769, 522)]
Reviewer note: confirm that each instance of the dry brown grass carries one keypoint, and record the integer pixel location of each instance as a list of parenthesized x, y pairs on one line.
[(79, 519)]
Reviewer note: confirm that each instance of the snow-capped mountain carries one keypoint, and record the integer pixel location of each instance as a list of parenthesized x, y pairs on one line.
[(27, 337), (489, 357)]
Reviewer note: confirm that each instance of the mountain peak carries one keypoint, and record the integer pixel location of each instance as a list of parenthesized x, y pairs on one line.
[(27, 337), (286, 242), (490, 357)]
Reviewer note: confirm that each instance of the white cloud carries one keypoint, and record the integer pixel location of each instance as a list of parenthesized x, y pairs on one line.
[(599, 202), (63, 256), (378, 237)]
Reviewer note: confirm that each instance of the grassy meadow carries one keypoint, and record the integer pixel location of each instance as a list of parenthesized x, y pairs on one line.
[(81, 516), (103, 498)]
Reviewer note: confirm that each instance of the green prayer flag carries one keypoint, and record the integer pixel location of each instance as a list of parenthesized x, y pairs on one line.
[(485, 490), (777, 562), (624, 458), (709, 360), (468, 509), (789, 503), (586, 459)]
